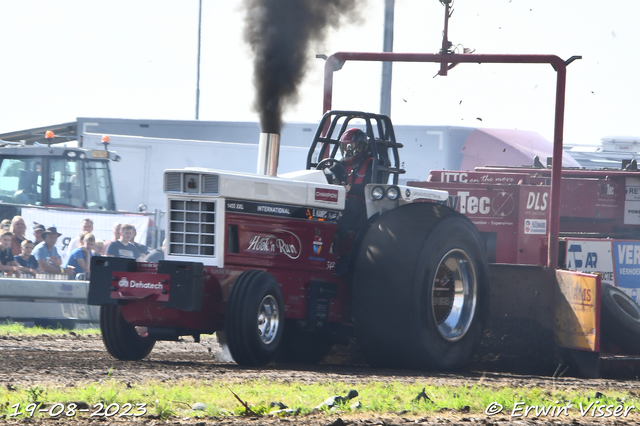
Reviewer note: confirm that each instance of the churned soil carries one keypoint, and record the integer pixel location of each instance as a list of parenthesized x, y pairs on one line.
[(71, 360)]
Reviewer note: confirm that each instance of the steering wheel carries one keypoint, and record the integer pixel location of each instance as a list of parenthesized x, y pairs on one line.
[(334, 170)]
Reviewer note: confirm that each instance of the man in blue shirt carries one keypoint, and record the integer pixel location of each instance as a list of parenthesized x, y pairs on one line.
[(80, 257), (46, 254)]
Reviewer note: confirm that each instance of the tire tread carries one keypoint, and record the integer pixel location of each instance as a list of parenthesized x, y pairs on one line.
[(389, 280), (120, 338), (240, 325)]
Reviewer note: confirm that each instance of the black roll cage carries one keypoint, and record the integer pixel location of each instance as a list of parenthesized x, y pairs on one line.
[(383, 148)]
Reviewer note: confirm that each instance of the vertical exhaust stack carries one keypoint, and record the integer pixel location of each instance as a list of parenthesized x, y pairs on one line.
[(282, 34), (268, 154)]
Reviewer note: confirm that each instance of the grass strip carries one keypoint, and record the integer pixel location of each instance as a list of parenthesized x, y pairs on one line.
[(109, 398), (16, 329)]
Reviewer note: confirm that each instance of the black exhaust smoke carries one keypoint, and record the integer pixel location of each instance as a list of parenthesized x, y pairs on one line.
[(280, 33)]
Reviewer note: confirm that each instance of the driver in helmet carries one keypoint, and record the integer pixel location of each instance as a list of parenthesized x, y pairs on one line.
[(357, 159)]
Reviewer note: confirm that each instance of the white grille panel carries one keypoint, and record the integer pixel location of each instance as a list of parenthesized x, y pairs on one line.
[(192, 228), (210, 185), (173, 182)]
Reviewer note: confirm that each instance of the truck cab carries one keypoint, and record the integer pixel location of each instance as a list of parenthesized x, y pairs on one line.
[(54, 176)]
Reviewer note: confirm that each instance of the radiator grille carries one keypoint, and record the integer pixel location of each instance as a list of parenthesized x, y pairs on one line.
[(173, 182), (210, 184), (192, 228)]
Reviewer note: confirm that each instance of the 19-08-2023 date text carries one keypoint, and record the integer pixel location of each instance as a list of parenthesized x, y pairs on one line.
[(71, 409)]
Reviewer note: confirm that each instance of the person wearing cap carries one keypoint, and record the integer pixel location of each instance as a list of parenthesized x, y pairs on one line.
[(37, 233), (46, 254), (8, 264)]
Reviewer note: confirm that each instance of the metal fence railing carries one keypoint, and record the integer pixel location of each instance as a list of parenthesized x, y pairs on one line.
[(37, 290), (25, 299)]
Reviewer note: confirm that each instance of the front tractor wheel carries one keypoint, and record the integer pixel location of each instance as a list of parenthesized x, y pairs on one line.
[(421, 289), (254, 318), (120, 338)]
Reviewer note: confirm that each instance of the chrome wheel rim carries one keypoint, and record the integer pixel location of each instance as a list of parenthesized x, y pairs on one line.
[(454, 295), (268, 320)]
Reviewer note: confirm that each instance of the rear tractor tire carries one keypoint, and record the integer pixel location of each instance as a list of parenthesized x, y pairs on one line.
[(254, 318), (421, 289), (120, 338)]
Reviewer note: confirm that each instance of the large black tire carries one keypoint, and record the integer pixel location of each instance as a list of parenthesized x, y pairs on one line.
[(254, 318), (401, 319), (619, 318), (120, 338), (300, 346)]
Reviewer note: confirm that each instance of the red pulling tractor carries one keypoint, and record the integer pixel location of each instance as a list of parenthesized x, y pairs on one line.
[(249, 258)]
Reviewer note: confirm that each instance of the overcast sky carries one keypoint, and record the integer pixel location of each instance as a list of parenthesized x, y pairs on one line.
[(137, 59)]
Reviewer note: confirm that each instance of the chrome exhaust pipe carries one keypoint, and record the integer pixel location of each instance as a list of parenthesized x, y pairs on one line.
[(268, 153)]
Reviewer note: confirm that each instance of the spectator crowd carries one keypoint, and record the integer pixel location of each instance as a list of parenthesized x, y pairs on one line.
[(24, 257)]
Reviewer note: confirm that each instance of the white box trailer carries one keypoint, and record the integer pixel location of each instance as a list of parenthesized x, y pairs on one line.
[(137, 177)]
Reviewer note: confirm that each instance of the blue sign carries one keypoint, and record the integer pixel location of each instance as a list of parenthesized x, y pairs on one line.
[(627, 263)]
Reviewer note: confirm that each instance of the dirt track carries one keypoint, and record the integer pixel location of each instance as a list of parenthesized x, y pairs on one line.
[(71, 360)]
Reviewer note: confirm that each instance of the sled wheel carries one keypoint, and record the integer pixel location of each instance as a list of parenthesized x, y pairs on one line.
[(420, 289), (619, 318), (120, 338), (254, 319), (300, 346)]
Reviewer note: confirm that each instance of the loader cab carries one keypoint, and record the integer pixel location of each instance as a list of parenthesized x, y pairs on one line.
[(55, 177), (380, 135)]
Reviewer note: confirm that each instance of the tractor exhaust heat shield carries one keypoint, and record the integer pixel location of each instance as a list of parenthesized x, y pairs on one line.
[(268, 153)]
